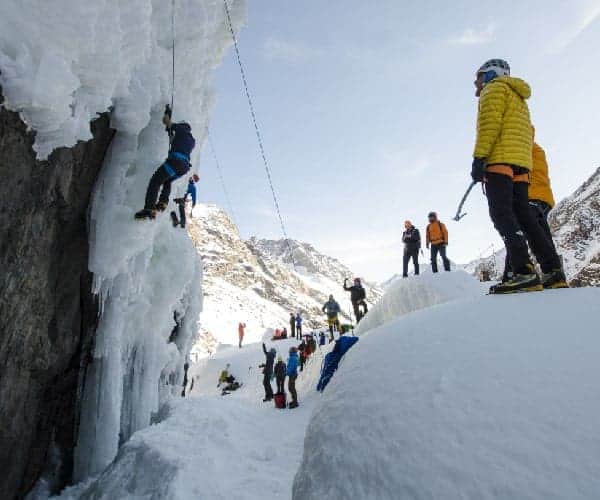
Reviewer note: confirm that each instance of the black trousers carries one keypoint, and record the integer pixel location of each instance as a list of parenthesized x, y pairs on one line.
[(441, 249), (410, 253), (539, 211), (358, 312), (505, 201), (267, 385), (292, 387), (163, 178), (293, 329), (299, 331), (280, 385)]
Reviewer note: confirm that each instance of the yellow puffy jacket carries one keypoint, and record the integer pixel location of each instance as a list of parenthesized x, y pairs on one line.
[(539, 181), (504, 124)]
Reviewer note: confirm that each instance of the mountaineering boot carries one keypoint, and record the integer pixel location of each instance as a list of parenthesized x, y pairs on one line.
[(505, 277), (174, 219), (161, 206), (293, 404), (145, 214), (554, 279), (527, 281)]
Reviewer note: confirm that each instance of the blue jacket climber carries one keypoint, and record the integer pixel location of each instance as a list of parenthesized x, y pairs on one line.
[(191, 189), (181, 144), (292, 364)]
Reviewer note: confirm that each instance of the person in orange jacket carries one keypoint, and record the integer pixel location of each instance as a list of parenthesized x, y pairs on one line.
[(437, 238)]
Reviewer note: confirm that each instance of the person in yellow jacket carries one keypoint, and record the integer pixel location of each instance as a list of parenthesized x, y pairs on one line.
[(503, 160), (437, 238), (541, 201)]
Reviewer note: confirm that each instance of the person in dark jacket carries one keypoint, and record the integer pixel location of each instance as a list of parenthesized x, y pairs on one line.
[(280, 373), (177, 164), (292, 373), (302, 350), (321, 338), (298, 325), (357, 297), (412, 244), (268, 371), (293, 325)]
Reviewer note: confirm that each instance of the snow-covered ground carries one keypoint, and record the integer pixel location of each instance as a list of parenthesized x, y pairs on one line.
[(451, 394), (485, 397), (215, 447)]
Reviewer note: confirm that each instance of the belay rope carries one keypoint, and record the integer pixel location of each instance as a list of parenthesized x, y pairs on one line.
[(221, 177), (172, 54), (258, 134)]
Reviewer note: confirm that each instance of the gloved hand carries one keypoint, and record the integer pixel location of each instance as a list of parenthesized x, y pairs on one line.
[(478, 169)]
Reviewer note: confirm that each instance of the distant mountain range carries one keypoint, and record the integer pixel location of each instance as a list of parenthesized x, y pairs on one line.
[(253, 281)]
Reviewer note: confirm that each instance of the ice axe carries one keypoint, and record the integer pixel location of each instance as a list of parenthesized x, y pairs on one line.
[(458, 215)]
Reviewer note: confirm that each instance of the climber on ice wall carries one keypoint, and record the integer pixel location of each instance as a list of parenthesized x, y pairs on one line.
[(177, 164)]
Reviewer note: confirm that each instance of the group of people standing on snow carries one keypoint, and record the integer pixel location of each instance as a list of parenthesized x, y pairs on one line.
[(436, 240), (281, 370)]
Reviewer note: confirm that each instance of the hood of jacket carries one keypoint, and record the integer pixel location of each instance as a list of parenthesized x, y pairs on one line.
[(519, 85)]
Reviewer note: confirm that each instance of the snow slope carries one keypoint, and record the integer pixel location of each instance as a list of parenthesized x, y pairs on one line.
[(411, 294), (110, 54), (486, 397), (214, 447)]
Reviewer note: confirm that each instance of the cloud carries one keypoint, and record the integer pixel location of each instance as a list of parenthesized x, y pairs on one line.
[(473, 36), (589, 14), (288, 51)]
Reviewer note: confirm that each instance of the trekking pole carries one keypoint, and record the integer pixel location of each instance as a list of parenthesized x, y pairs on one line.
[(458, 215)]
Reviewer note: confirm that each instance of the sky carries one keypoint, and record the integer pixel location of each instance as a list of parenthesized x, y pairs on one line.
[(367, 113)]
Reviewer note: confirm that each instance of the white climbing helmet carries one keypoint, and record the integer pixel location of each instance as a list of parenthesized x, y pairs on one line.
[(498, 66)]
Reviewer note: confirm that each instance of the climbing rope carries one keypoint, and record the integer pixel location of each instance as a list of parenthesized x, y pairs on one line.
[(172, 54), (258, 134), (221, 177)]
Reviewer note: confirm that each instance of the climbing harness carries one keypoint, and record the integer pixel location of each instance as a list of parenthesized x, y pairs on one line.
[(257, 131)]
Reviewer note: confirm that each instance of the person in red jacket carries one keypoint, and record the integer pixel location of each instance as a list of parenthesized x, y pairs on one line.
[(241, 332)]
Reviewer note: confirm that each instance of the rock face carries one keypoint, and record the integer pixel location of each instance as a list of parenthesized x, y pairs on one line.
[(47, 311), (575, 222)]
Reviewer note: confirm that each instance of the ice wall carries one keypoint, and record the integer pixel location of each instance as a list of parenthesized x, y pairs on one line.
[(61, 63)]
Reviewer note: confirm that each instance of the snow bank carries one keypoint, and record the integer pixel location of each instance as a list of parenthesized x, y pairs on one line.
[(419, 292), (487, 397), (61, 63)]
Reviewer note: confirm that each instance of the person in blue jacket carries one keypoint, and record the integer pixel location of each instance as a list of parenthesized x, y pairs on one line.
[(299, 326), (292, 373), (191, 189), (176, 165)]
